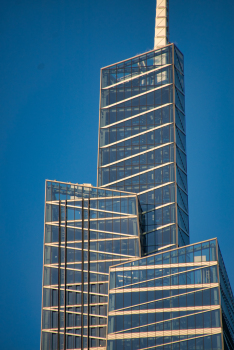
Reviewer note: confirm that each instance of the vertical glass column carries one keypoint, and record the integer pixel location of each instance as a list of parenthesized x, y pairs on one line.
[(87, 230), (138, 142), (180, 149)]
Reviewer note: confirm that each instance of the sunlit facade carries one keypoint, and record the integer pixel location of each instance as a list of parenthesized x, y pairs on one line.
[(119, 272), (87, 230), (142, 142), (178, 299)]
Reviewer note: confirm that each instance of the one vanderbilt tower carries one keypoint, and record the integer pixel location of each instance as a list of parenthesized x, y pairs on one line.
[(142, 137), (118, 271)]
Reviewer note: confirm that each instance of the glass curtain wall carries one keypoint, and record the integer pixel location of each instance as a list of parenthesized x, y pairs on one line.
[(167, 301), (87, 230), (142, 145), (227, 303)]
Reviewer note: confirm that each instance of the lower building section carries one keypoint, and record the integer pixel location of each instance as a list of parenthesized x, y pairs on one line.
[(99, 293), (174, 300), (87, 230)]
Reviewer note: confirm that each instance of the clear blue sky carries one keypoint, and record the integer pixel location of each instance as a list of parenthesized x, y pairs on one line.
[(51, 52)]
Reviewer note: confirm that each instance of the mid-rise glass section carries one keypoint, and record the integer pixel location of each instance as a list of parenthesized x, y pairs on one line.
[(142, 143), (98, 293), (176, 299), (87, 230)]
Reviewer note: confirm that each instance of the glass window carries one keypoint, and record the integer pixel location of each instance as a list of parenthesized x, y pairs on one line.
[(119, 279), (213, 256)]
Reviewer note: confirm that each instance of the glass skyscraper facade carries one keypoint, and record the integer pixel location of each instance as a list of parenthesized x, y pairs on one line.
[(87, 230), (177, 299), (142, 142), (118, 269)]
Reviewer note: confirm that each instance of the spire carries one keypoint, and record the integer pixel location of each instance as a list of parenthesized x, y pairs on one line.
[(161, 37)]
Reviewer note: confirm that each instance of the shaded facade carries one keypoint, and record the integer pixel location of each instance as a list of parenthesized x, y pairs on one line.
[(87, 230), (142, 142), (178, 299)]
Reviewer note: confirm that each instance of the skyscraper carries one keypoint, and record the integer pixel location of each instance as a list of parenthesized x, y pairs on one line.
[(87, 230), (142, 142), (118, 269)]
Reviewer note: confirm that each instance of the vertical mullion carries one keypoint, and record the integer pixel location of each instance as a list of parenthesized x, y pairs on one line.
[(100, 111), (43, 271), (65, 273), (219, 289), (88, 279), (175, 162), (82, 273), (59, 266)]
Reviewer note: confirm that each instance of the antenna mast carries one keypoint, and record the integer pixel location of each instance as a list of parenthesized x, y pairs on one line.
[(161, 37)]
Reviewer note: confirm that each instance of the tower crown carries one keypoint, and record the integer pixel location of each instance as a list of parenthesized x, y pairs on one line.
[(161, 37)]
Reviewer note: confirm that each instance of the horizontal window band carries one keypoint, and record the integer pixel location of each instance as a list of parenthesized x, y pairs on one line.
[(137, 76), (158, 207), (138, 174), (86, 314), (79, 305), (185, 332), (167, 251), (199, 264), (118, 257), (173, 287), (159, 228), (122, 216), (196, 312), (79, 270), (62, 202), (76, 306), (92, 241), (91, 220), (85, 200), (136, 96), (73, 291), (94, 210), (73, 334), (134, 287), (79, 327), (149, 190), (136, 155), (86, 189), (101, 252), (91, 230), (55, 286), (136, 115), (136, 135), (156, 187), (131, 286)]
